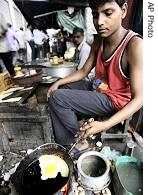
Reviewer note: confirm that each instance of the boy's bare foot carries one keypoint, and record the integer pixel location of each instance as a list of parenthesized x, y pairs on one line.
[(82, 145)]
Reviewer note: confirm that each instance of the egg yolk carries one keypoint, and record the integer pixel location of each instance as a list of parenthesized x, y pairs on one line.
[(49, 169)]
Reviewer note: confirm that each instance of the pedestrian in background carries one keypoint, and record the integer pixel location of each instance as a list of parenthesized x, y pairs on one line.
[(39, 38), (21, 36), (5, 53), (30, 39), (13, 43)]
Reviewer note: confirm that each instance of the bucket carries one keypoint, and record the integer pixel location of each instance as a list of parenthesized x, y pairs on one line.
[(93, 171), (128, 176)]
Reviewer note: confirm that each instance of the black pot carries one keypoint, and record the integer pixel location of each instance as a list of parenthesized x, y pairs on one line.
[(26, 178)]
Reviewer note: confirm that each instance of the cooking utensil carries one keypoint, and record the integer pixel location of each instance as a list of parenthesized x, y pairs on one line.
[(24, 179), (27, 180), (94, 171), (60, 70)]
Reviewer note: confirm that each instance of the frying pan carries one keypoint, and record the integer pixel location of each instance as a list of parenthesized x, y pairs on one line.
[(26, 177)]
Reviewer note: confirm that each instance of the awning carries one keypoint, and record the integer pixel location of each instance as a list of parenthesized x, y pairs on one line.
[(42, 13)]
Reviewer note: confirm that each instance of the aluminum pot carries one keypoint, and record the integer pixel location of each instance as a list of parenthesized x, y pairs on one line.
[(61, 70), (27, 177), (94, 171)]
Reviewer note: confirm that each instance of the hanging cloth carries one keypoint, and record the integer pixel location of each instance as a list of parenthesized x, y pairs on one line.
[(70, 21)]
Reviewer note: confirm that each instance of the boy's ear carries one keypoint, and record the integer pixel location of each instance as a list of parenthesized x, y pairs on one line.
[(124, 10)]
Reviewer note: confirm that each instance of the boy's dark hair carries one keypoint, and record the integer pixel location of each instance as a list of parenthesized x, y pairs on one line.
[(95, 3), (77, 29)]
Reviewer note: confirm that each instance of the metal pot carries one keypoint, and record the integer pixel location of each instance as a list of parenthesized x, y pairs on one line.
[(93, 171), (26, 178), (60, 71)]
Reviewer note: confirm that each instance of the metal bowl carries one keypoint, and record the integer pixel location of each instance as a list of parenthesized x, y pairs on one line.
[(61, 70)]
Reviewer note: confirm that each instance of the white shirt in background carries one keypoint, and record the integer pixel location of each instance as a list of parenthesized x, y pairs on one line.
[(84, 51), (39, 37), (4, 45), (21, 36), (29, 35)]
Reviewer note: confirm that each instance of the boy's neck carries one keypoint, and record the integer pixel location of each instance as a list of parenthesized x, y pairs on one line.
[(116, 37)]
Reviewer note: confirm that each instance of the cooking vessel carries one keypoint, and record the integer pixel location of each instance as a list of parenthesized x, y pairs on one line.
[(26, 178), (61, 70), (93, 171)]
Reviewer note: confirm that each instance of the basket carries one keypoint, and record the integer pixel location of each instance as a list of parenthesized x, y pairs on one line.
[(28, 81)]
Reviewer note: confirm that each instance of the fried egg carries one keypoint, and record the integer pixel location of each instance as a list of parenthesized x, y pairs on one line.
[(50, 166)]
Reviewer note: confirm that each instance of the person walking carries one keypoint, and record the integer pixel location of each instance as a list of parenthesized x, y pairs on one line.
[(30, 39), (21, 36), (5, 53), (39, 38), (13, 43)]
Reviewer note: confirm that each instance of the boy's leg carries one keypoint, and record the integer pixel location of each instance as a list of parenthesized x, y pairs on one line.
[(66, 104)]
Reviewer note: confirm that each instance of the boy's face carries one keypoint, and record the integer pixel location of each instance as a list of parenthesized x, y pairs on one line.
[(108, 18)]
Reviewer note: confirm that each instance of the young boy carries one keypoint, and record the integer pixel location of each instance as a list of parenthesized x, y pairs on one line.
[(117, 89)]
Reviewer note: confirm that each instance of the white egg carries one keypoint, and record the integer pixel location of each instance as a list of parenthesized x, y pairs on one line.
[(50, 166)]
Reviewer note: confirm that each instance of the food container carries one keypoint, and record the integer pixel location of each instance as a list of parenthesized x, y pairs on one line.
[(94, 171), (55, 60), (128, 176), (5, 81), (61, 70), (29, 80)]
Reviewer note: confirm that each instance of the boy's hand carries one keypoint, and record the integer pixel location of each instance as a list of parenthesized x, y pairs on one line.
[(51, 89)]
